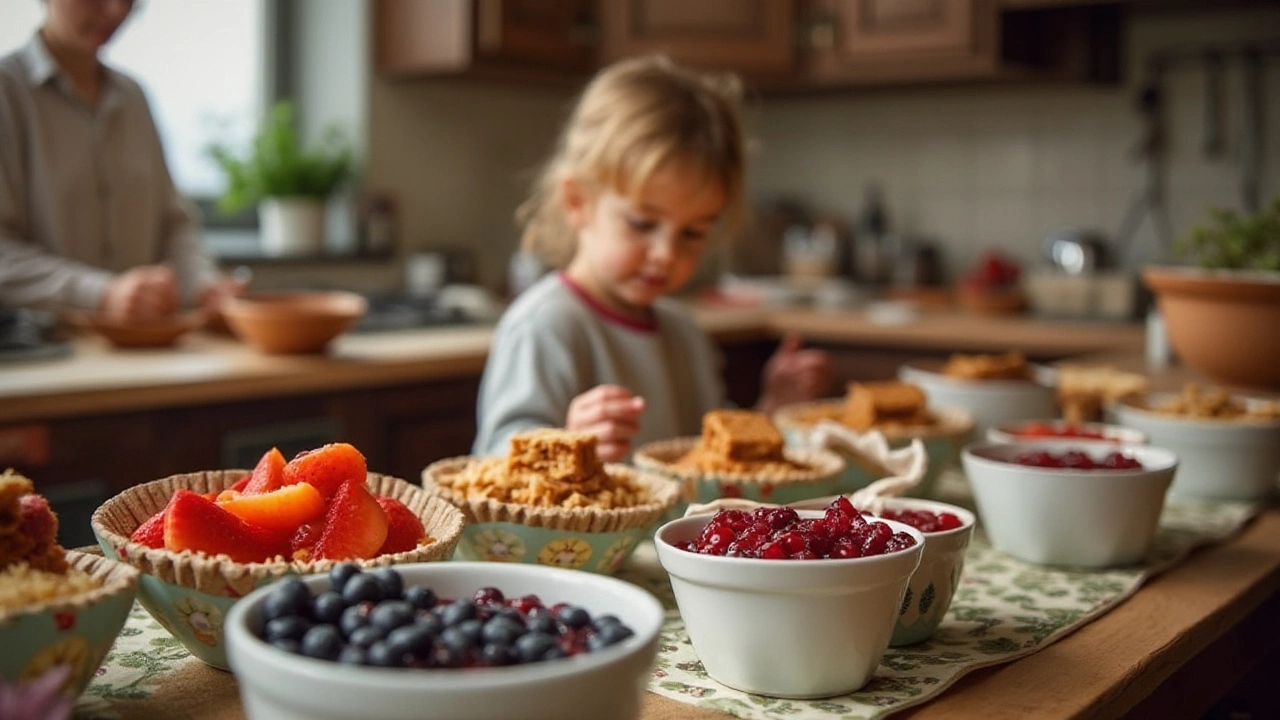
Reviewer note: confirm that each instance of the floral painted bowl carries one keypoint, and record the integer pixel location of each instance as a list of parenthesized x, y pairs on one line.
[(587, 538), (934, 583), (942, 442), (190, 593), (72, 632), (818, 480)]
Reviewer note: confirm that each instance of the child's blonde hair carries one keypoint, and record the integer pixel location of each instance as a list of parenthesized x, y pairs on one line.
[(634, 118)]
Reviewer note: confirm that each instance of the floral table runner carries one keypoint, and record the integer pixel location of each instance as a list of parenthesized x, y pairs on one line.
[(1004, 609)]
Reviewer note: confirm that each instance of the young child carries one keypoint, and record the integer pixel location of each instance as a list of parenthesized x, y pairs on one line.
[(648, 168)]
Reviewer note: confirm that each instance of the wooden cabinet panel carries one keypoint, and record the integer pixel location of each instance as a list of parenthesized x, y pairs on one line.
[(553, 35), (416, 425), (873, 27), (749, 36)]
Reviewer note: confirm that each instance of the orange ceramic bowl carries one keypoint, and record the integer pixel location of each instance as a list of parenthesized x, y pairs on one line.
[(280, 323), (162, 332), (1222, 323)]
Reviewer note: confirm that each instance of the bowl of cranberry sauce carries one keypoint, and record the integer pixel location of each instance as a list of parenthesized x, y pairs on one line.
[(789, 603), (1063, 502), (1037, 430), (947, 530), (437, 641)]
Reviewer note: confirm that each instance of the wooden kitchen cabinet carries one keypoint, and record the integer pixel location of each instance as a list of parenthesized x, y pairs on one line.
[(550, 39), (753, 37)]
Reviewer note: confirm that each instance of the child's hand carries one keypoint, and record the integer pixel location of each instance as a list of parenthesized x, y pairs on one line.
[(609, 412), (794, 375)]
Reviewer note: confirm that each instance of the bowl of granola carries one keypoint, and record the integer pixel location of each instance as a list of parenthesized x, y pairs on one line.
[(203, 540), (741, 454), (551, 501), (899, 411), (1228, 444), (60, 610)]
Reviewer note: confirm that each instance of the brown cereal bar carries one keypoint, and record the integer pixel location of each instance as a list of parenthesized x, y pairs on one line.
[(1083, 391), (1009, 366), (870, 404), (741, 435), (559, 455)]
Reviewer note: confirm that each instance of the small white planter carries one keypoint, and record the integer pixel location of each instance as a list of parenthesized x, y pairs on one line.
[(291, 225)]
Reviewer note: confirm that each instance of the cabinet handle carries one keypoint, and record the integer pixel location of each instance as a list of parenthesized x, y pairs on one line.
[(822, 33)]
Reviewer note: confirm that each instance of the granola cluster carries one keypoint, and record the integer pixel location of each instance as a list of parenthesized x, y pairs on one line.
[(738, 442), (1216, 404), (33, 566)]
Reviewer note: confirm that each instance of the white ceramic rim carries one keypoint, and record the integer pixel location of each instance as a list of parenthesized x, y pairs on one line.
[(1042, 377), (243, 641), (703, 520), (1112, 433), (1125, 406), (1154, 459)]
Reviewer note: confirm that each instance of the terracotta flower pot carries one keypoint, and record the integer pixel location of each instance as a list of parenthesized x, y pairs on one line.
[(1226, 324)]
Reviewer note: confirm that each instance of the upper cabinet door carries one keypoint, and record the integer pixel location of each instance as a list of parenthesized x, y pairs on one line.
[(551, 34), (893, 40), (753, 37)]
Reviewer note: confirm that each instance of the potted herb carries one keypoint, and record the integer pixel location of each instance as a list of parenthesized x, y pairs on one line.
[(1223, 315), (290, 183)]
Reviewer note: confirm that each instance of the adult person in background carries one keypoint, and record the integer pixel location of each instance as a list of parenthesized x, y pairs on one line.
[(89, 215)]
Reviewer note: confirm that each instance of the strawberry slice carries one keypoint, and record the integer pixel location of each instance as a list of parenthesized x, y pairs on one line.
[(267, 475), (355, 525), (304, 540), (151, 532), (327, 467), (193, 522), (404, 529), (280, 511)]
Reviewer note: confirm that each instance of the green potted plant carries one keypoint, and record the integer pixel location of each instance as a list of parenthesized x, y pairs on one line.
[(290, 183), (1223, 313)]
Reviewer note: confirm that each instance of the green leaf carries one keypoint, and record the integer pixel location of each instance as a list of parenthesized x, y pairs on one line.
[(1231, 241)]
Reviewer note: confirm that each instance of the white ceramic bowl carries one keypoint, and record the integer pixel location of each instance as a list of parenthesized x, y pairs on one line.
[(606, 684), (787, 628), (1052, 516), (992, 402), (1010, 432), (1223, 459), (934, 582)]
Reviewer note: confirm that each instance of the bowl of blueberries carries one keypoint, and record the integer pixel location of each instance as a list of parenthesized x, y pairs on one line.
[(444, 640)]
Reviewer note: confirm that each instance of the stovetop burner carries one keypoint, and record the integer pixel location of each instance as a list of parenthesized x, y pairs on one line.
[(402, 312), (22, 338)]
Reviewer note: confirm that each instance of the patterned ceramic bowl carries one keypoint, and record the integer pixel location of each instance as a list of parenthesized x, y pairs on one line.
[(818, 480), (934, 582), (942, 442), (74, 631), (190, 593), (588, 538)]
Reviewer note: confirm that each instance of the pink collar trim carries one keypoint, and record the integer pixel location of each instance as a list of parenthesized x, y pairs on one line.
[(607, 313)]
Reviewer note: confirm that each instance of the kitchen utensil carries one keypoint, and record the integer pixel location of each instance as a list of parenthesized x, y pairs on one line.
[(1076, 251), (1251, 141), (1214, 72), (1151, 151)]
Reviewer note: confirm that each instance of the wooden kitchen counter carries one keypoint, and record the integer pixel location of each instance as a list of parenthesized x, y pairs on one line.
[(204, 368)]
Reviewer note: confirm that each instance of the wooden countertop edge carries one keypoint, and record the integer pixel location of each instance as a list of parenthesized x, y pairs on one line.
[(1109, 666)]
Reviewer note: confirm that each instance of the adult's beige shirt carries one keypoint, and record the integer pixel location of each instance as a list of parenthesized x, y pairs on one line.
[(84, 191)]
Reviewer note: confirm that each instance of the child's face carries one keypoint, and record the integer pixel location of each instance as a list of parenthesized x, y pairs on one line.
[(631, 251), (86, 25)]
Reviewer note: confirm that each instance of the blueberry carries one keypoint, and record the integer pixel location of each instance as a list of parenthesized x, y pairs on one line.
[(502, 630), (430, 624), (353, 655), (573, 616), (420, 597), (450, 657), (457, 642), (339, 575), (603, 620), (328, 607), (322, 642), (531, 646), (366, 636), (414, 639), (543, 623), (381, 655), (497, 654), (291, 627), (288, 645), (472, 629), (391, 582), (362, 588), (511, 614), (391, 614), (457, 611), (353, 618), (555, 653), (608, 635), (290, 596)]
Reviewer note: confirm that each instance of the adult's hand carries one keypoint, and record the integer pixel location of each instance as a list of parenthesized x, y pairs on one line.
[(215, 293), (147, 292), (795, 374), (612, 414)]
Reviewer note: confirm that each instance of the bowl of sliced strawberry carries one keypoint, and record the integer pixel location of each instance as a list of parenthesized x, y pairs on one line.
[(204, 540)]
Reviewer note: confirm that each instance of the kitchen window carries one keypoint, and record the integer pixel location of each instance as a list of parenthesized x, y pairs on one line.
[(210, 69)]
